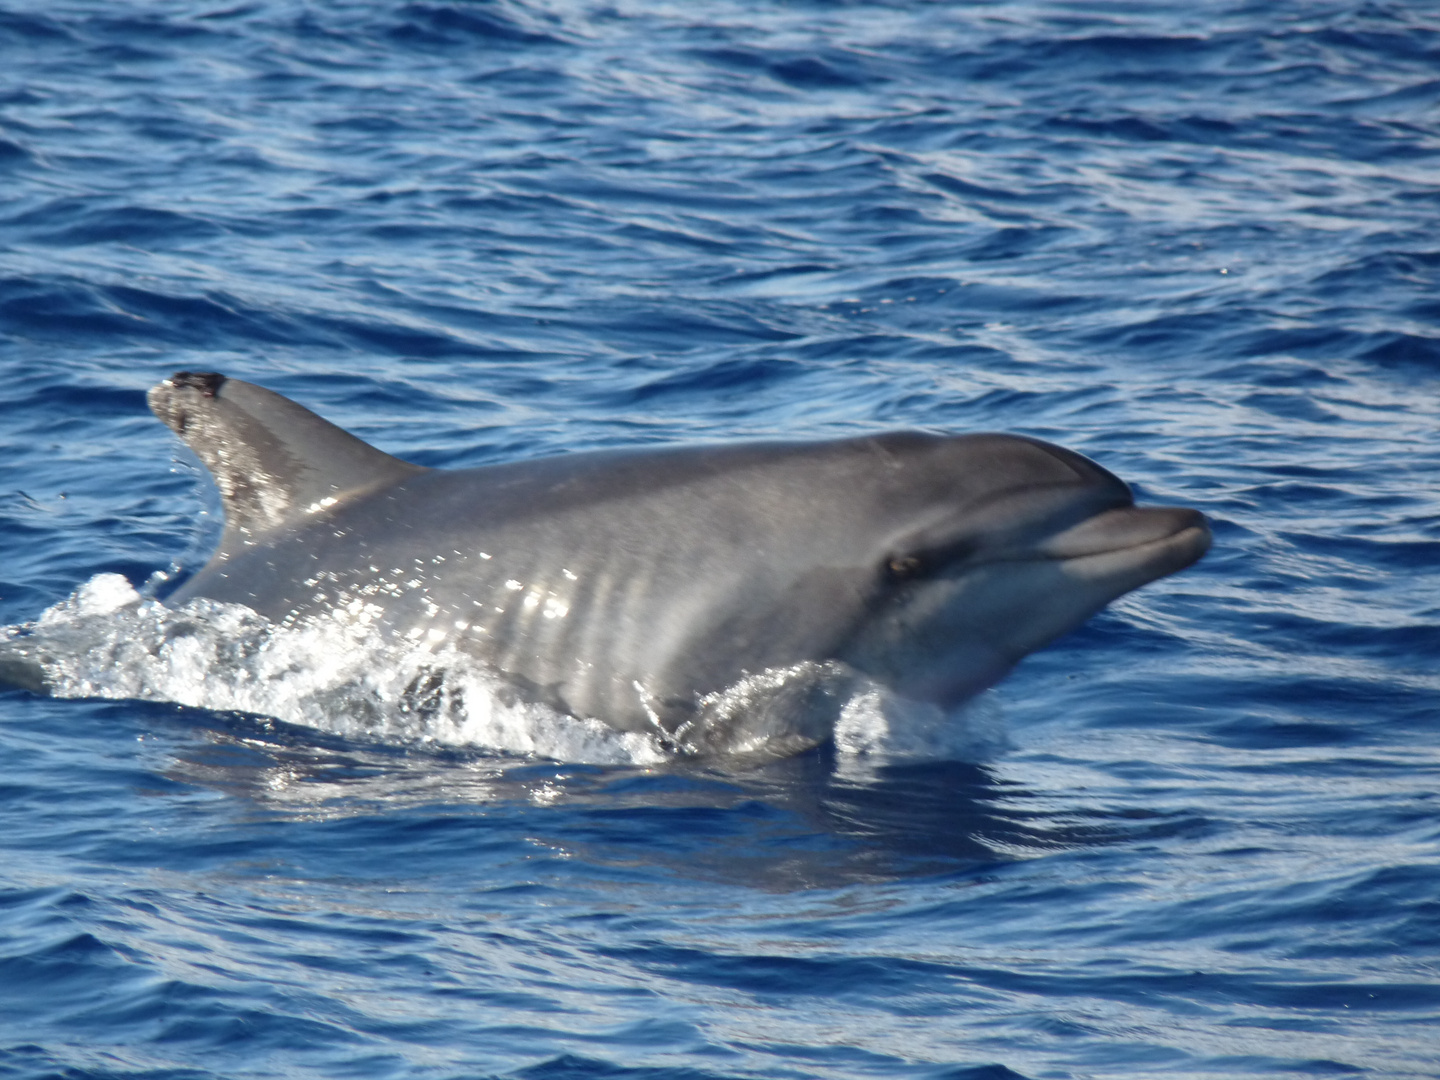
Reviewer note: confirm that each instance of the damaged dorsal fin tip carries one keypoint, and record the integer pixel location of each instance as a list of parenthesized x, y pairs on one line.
[(207, 382), (274, 462)]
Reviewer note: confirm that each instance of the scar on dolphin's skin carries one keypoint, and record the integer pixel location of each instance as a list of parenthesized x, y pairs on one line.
[(634, 586)]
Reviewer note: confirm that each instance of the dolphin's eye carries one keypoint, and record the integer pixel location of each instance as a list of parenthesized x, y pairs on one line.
[(903, 567)]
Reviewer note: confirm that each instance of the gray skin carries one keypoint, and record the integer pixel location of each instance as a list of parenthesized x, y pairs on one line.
[(628, 585)]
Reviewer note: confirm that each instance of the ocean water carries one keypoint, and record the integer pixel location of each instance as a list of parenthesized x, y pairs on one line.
[(1198, 837)]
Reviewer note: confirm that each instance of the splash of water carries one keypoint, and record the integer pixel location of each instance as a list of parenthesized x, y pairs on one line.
[(342, 676)]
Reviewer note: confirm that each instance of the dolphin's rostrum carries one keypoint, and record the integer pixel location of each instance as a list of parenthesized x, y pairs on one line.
[(632, 586)]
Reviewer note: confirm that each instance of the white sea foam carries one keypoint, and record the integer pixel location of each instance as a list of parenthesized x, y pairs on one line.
[(341, 676)]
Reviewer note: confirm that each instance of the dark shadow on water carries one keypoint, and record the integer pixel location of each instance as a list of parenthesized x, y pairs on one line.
[(818, 820)]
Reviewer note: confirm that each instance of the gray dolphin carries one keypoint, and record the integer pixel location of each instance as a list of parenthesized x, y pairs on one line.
[(629, 585)]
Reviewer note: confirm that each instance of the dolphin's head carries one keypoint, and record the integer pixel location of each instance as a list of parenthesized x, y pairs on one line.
[(1021, 544)]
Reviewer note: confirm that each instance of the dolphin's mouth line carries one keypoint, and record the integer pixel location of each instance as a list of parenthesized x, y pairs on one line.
[(1107, 532), (1128, 528), (1159, 541), (1197, 529)]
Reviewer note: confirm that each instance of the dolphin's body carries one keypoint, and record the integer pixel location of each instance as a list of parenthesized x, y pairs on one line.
[(629, 585)]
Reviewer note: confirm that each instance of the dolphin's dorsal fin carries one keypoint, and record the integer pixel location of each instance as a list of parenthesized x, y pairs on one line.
[(274, 462)]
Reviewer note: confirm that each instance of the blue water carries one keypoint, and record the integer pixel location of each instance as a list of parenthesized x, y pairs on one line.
[(1199, 242)]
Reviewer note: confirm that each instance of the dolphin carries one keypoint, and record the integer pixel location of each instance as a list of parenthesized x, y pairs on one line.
[(632, 586)]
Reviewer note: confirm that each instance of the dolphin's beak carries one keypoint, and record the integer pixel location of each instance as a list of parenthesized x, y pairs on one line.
[(1122, 527), (1154, 540)]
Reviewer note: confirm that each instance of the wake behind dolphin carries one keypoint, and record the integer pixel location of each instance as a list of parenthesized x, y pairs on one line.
[(678, 593)]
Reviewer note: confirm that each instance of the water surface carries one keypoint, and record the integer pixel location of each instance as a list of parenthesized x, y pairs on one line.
[(1196, 242)]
